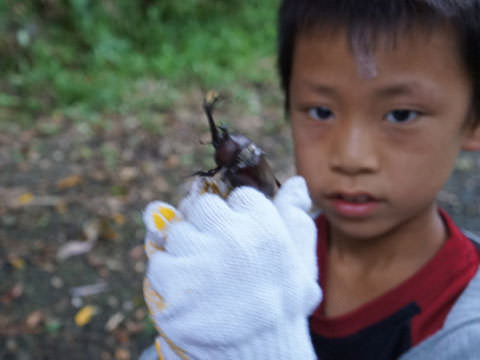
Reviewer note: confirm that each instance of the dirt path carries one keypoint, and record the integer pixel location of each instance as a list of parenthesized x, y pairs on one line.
[(85, 185)]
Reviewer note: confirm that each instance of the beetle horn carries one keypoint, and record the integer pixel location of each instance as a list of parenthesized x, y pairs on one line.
[(208, 104)]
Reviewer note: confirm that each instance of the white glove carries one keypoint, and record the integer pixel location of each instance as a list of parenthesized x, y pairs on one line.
[(237, 278)]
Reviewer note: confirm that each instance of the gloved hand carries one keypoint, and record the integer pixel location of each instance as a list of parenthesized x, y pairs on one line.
[(235, 278)]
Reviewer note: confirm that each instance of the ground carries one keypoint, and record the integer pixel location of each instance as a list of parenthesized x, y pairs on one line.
[(71, 197)]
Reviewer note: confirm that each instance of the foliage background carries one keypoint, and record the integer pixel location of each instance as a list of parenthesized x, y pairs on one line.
[(92, 55)]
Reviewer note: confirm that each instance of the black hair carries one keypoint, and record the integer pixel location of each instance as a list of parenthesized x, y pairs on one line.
[(365, 20)]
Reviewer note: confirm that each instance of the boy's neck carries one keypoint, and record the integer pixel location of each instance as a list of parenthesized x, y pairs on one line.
[(360, 270)]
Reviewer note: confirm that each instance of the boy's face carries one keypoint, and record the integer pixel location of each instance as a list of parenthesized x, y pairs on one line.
[(377, 140)]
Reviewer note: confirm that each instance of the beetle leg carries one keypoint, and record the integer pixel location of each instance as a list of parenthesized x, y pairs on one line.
[(208, 173)]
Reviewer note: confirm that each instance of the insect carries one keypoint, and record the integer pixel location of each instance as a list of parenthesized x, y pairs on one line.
[(239, 161)]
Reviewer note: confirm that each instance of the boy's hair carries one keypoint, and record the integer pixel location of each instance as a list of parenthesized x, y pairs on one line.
[(364, 21)]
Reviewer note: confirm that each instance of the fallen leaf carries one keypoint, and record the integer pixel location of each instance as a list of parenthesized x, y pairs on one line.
[(122, 336), (68, 182), (73, 248), (115, 320), (84, 315), (172, 161), (107, 231), (140, 314), (137, 252), (122, 354), (134, 327), (128, 173), (61, 207), (119, 218), (34, 319), (17, 262), (91, 230), (15, 292), (87, 290), (25, 198), (56, 282), (52, 326)]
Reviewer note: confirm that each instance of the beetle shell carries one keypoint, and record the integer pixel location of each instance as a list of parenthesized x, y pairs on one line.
[(250, 169), (228, 149), (259, 176), (239, 161)]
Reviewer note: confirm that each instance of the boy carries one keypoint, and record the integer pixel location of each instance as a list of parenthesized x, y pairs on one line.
[(382, 96)]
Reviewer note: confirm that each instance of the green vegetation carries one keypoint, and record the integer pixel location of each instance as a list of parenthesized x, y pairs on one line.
[(87, 56)]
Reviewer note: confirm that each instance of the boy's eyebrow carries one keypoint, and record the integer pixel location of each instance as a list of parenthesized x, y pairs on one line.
[(403, 88), (322, 89)]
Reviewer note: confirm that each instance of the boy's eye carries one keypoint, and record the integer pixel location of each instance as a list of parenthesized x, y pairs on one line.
[(320, 113), (401, 116)]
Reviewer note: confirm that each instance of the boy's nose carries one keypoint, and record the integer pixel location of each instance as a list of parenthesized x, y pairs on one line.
[(353, 151)]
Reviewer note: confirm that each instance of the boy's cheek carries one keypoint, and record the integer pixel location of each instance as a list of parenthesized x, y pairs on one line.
[(311, 165)]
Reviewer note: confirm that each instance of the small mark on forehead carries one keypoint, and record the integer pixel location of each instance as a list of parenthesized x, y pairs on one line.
[(366, 67), (365, 60)]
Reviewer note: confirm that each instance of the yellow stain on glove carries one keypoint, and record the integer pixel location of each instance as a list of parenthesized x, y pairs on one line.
[(158, 216), (182, 354), (151, 248), (158, 221), (164, 216), (215, 186), (154, 301), (155, 304)]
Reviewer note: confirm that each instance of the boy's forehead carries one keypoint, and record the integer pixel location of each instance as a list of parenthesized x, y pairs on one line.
[(363, 47)]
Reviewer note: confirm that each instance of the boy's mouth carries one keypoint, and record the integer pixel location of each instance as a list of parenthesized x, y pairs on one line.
[(357, 199), (358, 204)]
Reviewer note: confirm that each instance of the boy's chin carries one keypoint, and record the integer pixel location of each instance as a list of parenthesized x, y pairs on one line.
[(365, 229)]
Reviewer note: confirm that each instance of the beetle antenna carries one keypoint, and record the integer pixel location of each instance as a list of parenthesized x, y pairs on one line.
[(208, 104)]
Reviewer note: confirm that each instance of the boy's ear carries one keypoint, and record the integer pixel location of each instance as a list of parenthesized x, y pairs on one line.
[(471, 142)]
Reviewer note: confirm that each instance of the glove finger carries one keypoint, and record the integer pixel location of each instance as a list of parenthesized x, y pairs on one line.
[(313, 298), (293, 203), (169, 284), (165, 231), (153, 243), (249, 199), (157, 217), (200, 186), (182, 289), (185, 239), (294, 193), (209, 213)]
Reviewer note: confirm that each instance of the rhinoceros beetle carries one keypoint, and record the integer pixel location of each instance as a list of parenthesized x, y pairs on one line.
[(239, 161)]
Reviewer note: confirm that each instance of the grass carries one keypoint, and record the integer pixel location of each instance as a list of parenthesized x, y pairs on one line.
[(91, 58)]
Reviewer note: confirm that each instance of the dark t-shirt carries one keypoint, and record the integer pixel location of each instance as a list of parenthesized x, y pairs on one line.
[(389, 325)]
